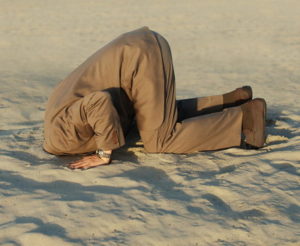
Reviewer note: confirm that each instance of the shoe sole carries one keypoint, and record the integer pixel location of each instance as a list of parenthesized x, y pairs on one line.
[(258, 136)]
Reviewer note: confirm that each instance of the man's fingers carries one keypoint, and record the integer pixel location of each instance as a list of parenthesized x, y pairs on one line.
[(84, 166), (87, 162), (78, 164)]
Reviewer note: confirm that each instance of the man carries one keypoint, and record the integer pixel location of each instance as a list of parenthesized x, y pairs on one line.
[(130, 78)]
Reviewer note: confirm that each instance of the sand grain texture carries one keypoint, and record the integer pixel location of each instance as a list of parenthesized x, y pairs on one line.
[(229, 197)]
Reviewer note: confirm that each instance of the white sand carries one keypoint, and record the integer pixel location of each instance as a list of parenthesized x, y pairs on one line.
[(230, 197)]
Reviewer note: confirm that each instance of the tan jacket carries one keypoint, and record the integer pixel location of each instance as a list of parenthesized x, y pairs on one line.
[(94, 105)]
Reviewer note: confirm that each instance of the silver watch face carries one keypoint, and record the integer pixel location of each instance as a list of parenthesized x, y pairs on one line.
[(100, 153)]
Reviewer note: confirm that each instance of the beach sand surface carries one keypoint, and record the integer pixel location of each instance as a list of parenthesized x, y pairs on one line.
[(229, 197)]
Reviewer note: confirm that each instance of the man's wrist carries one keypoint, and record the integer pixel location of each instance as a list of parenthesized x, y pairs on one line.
[(103, 154)]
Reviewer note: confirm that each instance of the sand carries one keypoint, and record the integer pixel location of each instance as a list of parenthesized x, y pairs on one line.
[(228, 197)]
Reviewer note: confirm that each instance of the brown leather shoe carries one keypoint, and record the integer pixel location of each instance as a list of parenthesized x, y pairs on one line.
[(254, 122), (245, 93), (237, 97)]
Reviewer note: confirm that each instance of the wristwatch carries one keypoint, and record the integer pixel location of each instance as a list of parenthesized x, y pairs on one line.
[(101, 154)]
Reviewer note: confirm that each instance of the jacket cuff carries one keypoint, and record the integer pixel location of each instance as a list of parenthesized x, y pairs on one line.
[(111, 141)]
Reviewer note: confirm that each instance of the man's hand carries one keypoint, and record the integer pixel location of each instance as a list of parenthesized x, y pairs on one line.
[(89, 162)]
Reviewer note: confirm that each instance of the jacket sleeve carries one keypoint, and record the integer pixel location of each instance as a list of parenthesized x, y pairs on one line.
[(103, 118)]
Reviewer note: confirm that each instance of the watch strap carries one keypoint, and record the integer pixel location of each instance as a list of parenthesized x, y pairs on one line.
[(101, 154)]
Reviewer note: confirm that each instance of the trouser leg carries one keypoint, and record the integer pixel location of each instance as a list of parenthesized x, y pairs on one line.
[(192, 107), (153, 139), (206, 132)]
